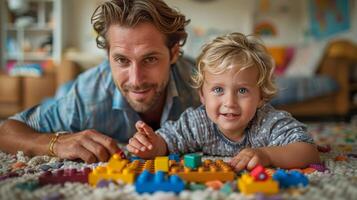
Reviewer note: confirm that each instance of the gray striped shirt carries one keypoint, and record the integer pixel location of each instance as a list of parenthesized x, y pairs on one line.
[(194, 132)]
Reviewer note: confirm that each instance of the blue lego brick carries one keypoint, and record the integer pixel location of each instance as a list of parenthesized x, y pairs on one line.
[(133, 158), (150, 183), (290, 179), (193, 160), (174, 157)]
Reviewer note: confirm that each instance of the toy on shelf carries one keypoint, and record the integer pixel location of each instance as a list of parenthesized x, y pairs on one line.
[(290, 179), (64, 175), (258, 181), (150, 183)]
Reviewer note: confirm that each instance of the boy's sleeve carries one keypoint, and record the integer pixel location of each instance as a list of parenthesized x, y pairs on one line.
[(181, 136), (285, 130)]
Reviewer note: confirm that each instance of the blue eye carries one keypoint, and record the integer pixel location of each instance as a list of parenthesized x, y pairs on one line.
[(217, 90), (242, 90)]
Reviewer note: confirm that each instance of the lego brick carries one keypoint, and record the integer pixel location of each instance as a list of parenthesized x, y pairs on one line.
[(151, 183), (133, 158), (209, 171), (122, 170), (61, 176), (259, 173), (126, 175), (28, 185), (174, 157), (162, 163), (126, 172), (215, 185), (116, 162), (193, 160), (121, 154), (247, 185), (290, 179)]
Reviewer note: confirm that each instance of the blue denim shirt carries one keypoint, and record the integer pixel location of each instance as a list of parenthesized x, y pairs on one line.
[(94, 102)]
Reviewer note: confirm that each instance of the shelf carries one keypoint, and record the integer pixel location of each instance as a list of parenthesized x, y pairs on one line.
[(30, 28), (30, 56), (23, 44)]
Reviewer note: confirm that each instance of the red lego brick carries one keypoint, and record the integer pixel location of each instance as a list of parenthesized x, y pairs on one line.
[(259, 173), (61, 176)]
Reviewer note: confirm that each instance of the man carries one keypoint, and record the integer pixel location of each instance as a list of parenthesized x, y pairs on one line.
[(143, 80)]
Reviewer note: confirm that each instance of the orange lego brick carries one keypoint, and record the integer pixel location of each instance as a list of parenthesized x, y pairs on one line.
[(216, 185), (209, 171), (308, 170)]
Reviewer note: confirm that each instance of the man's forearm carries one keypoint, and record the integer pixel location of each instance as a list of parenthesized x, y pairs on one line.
[(294, 155), (17, 136)]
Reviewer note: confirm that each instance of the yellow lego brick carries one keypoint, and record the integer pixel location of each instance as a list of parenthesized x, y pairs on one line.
[(247, 185), (209, 171), (127, 175), (162, 163), (117, 163)]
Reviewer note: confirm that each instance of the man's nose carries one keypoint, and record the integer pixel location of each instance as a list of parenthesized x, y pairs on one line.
[(135, 75)]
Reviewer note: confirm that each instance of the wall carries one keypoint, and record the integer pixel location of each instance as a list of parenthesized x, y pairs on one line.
[(232, 15), (222, 15)]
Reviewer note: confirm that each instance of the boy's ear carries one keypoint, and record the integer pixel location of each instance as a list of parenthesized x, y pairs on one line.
[(202, 98), (175, 53), (261, 102)]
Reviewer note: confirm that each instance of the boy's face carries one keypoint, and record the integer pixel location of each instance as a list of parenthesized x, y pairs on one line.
[(140, 63), (231, 99)]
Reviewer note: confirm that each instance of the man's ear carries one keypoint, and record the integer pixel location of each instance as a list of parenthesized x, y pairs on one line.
[(202, 98), (175, 53)]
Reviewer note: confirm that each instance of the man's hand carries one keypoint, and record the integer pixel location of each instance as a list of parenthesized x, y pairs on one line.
[(146, 143), (249, 158), (88, 145)]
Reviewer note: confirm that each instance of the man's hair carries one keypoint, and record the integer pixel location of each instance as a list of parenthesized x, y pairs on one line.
[(239, 50), (129, 13)]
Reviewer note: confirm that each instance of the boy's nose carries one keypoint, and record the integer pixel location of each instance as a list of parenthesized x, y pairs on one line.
[(230, 100)]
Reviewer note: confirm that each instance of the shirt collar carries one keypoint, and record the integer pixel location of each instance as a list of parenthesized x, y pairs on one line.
[(120, 103)]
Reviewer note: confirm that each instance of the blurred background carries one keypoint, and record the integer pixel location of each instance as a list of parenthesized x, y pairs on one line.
[(47, 43)]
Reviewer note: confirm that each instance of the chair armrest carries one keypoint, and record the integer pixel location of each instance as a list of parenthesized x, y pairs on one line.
[(338, 69)]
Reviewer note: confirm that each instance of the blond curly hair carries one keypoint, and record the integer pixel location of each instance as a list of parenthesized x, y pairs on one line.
[(243, 51)]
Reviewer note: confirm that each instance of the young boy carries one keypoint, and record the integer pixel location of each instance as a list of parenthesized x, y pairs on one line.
[(235, 83)]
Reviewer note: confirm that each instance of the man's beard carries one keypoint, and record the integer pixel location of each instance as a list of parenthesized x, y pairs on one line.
[(144, 106)]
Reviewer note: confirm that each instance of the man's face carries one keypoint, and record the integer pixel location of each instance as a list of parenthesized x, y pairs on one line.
[(140, 63)]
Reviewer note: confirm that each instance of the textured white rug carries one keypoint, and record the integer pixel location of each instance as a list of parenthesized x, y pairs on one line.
[(338, 182)]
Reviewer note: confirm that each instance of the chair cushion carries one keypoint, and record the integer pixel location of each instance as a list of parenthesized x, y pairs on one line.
[(301, 88)]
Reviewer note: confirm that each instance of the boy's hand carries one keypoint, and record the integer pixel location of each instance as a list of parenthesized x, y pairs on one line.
[(146, 143), (249, 158)]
